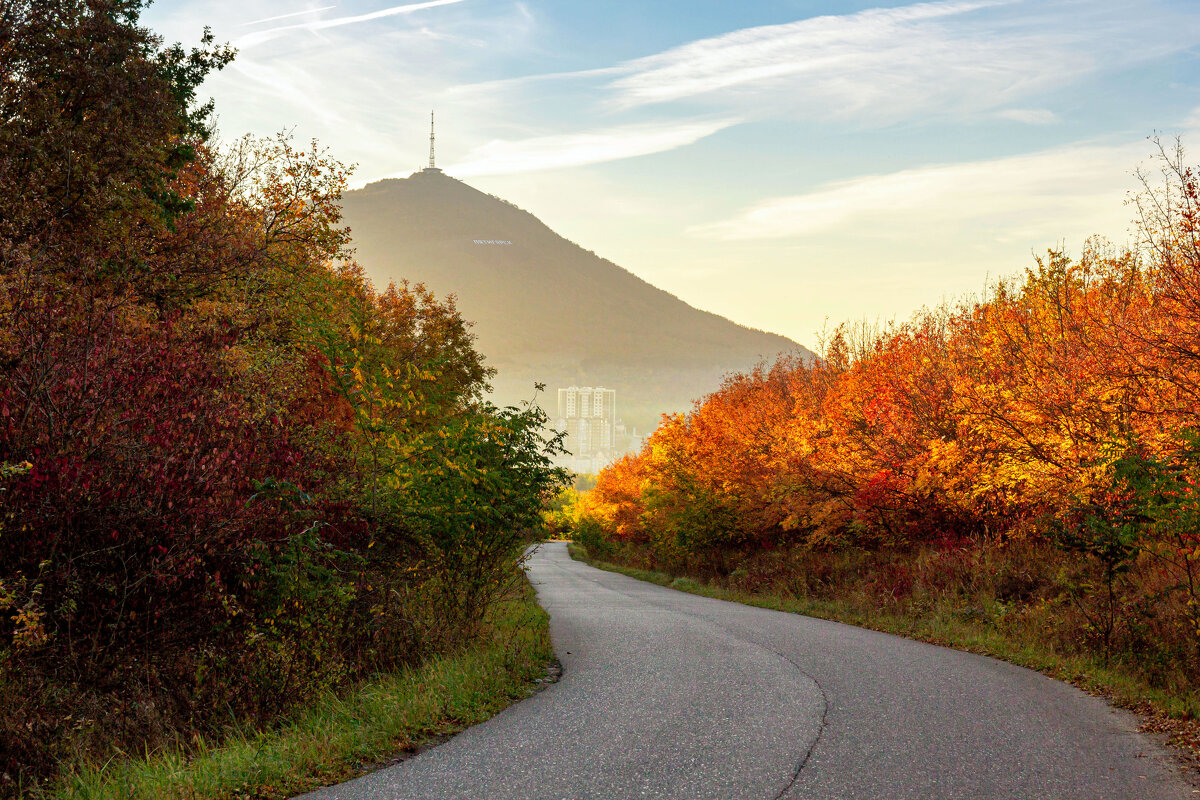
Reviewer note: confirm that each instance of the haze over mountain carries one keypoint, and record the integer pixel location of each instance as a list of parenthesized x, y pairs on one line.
[(544, 309)]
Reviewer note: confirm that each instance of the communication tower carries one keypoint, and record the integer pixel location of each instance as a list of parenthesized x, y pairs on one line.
[(432, 165)]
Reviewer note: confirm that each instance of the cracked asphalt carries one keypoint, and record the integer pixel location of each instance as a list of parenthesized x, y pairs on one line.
[(670, 695)]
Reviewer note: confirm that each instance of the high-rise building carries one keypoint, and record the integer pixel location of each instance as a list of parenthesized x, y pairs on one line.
[(589, 417)]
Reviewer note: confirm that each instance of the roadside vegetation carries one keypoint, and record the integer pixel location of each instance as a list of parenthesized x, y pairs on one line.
[(338, 736), (1018, 474), (236, 480)]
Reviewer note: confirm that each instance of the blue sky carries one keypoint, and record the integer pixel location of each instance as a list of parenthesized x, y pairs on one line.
[(784, 164)]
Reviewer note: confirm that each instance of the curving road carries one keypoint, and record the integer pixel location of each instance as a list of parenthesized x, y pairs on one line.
[(671, 695)]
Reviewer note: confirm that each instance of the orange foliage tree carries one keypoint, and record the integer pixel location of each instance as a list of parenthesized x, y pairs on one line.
[(985, 421)]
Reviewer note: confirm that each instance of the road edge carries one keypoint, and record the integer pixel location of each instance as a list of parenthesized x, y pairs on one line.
[(1180, 738)]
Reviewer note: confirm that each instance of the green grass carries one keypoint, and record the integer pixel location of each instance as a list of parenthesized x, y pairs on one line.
[(1166, 712), (341, 736)]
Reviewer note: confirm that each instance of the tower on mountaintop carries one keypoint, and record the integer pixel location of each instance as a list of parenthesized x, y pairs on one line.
[(432, 166)]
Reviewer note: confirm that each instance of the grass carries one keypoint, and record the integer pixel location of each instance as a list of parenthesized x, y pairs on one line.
[(1173, 714), (342, 736)]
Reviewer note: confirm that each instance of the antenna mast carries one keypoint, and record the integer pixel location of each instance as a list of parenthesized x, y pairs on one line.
[(431, 164)]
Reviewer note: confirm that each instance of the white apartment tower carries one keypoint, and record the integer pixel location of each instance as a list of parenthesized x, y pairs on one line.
[(589, 416)]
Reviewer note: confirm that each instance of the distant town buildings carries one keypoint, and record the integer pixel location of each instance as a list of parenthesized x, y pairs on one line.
[(595, 437), (589, 416)]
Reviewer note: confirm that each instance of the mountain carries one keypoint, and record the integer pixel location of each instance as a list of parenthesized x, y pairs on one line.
[(545, 309)]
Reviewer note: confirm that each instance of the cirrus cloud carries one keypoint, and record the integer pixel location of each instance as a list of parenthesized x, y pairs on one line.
[(1068, 187), (501, 157), (258, 37)]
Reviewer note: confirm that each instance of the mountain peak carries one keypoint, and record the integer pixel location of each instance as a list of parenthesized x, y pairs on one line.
[(545, 309)]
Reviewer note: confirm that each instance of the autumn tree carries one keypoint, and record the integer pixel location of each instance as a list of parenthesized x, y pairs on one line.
[(232, 473)]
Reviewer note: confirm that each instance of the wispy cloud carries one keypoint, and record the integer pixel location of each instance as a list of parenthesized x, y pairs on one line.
[(481, 88), (867, 42), (279, 83), (286, 16), (1029, 116), (578, 149), (885, 64), (259, 37), (1066, 187)]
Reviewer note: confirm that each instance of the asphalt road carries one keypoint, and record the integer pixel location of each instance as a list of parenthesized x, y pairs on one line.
[(671, 695)]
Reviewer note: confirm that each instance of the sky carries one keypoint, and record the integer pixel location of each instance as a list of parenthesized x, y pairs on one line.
[(788, 164)]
